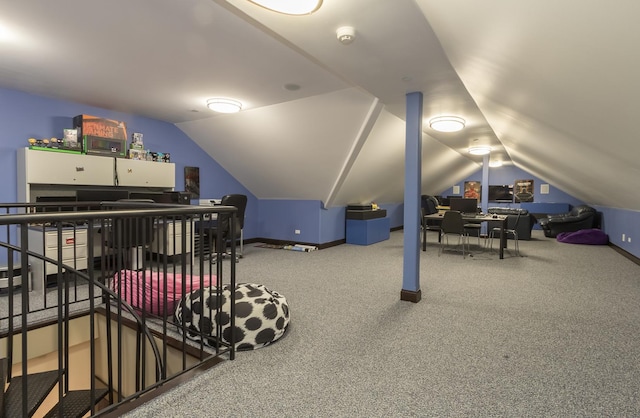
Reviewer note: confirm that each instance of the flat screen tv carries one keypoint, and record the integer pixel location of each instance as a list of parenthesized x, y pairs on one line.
[(464, 205), (500, 193)]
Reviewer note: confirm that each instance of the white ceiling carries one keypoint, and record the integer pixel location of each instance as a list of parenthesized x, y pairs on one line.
[(534, 79)]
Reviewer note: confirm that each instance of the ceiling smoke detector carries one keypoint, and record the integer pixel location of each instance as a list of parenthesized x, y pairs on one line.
[(346, 35)]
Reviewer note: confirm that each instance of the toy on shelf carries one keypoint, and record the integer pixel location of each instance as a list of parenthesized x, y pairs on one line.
[(136, 141)]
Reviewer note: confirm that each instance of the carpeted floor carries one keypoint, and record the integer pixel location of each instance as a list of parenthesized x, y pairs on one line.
[(552, 334)]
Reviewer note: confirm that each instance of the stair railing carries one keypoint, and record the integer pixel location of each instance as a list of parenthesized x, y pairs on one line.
[(101, 294)]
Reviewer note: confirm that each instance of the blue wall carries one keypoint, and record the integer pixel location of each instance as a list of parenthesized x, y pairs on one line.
[(615, 222), (24, 116), (508, 175)]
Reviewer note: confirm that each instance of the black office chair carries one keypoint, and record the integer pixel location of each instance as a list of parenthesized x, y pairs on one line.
[(129, 237), (510, 230), (428, 206), (452, 224), (474, 229), (223, 223)]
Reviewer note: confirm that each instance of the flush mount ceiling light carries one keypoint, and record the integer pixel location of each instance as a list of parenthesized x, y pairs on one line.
[(495, 164), (447, 123), (290, 7), (480, 150), (223, 105)]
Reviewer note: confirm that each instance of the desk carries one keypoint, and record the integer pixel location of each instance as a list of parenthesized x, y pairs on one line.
[(501, 220)]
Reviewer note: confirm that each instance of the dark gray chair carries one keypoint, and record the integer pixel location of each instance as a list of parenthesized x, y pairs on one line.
[(428, 206), (223, 223), (453, 224), (510, 232)]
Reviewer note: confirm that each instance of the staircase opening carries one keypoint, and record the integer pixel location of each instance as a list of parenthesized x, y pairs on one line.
[(91, 329)]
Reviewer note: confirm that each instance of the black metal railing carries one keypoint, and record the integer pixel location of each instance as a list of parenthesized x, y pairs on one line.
[(104, 282)]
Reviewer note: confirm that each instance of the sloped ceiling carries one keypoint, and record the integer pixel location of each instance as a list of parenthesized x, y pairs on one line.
[(557, 82), (551, 86)]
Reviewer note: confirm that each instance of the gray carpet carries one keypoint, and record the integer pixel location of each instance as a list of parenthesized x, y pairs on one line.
[(552, 334)]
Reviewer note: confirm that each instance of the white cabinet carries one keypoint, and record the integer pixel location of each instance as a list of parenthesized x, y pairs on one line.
[(44, 167), (136, 173), (172, 232), (45, 242), (37, 170)]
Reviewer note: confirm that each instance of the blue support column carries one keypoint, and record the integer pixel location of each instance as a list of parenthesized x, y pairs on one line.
[(484, 197), (412, 189)]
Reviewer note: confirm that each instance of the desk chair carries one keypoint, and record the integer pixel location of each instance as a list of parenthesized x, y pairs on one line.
[(428, 207), (452, 224), (223, 223), (131, 236), (473, 229), (513, 231)]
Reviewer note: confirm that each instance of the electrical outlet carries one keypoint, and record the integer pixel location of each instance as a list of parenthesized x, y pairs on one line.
[(297, 232), (628, 239), (623, 238)]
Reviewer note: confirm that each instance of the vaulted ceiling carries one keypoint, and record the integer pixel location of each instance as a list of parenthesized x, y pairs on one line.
[(551, 86)]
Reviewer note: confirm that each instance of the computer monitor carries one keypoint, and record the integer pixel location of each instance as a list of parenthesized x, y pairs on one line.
[(53, 200), (464, 205), (101, 195)]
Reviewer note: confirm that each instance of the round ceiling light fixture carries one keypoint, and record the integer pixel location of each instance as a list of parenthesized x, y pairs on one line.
[(495, 164), (480, 150), (290, 7), (224, 105), (447, 123)]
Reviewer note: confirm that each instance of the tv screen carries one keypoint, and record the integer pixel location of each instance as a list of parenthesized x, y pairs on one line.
[(500, 193), (464, 205)]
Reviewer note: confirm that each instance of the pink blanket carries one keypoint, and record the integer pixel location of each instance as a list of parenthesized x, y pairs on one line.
[(145, 290)]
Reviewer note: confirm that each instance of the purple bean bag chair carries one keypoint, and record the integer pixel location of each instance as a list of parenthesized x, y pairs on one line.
[(584, 236)]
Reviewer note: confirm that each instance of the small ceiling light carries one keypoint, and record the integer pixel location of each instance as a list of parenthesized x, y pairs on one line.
[(290, 7), (495, 164), (346, 35), (222, 105), (480, 150), (447, 123)]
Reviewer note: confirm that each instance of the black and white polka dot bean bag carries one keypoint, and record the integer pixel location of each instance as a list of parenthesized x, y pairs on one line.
[(262, 315)]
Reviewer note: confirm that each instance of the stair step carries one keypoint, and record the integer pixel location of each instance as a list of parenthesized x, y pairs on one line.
[(39, 385), (77, 403)]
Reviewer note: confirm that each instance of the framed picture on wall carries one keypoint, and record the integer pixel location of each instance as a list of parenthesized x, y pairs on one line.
[(192, 181), (472, 190), (523, 190)]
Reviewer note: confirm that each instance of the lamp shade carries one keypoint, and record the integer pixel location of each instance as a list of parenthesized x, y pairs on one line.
[(447, 123), (480, 150), (223, 105), (290, 7)]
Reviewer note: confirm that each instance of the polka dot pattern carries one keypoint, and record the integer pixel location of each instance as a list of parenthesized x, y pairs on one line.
[(262, 315)]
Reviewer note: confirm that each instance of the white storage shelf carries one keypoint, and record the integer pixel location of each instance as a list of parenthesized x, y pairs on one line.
[(43, 167), (74, 252), (37, 168), (172, 232), (135, 173)]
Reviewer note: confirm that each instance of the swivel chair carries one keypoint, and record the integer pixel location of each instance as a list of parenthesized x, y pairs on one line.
[(129, 237), (428, 206), (223, 224)]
